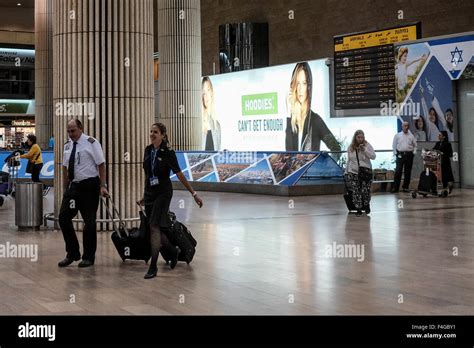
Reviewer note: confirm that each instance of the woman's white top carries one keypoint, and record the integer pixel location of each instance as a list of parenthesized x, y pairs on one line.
[(364, 159)]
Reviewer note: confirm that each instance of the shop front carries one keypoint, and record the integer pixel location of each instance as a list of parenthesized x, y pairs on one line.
[(17, 96), (17, 120)]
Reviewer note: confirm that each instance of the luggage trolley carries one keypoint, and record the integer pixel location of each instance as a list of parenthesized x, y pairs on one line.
[(5, 184), (431, 178), (13, 165)]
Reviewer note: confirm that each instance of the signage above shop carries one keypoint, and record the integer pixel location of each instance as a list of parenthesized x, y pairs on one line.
[(10, 106), (22, 123), (15, 57)]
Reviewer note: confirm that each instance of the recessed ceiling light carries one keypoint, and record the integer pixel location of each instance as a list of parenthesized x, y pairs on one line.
[(18, 4)]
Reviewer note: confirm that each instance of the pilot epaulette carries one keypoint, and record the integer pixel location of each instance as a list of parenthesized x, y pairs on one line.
[(91, 140)]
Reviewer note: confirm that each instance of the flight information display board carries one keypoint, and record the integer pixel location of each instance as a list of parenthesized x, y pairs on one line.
[(364, 66)]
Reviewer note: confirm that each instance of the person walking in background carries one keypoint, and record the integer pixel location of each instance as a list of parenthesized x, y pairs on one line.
[(404, 148), (84, 177), (158, 160), (359, 155), (445, 147), (51, 143), (35, 159)]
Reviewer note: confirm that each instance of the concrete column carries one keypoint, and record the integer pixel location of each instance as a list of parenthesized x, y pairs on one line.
[(44, 71), (103, 68), (179, 46)]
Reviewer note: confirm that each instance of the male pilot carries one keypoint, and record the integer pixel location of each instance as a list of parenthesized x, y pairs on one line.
[(85, 181)]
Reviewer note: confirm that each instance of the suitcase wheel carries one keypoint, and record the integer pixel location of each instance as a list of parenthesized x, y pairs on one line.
[(413, 194), (444, 194)]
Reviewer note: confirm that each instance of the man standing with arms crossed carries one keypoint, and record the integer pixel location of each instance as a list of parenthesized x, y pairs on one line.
[(404, 147), (85, 181)]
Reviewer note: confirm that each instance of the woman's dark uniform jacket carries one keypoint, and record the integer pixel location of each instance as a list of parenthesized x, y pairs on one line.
[(158, 198), (314, 130), (446, 171)]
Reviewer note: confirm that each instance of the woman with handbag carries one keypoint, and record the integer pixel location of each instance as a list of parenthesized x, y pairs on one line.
[(445, 147), (35, 160), (359, 171)]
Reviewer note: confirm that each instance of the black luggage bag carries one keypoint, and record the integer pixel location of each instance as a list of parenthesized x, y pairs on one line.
[(348, 196), (428, 182), (131, 244), (180, 236)]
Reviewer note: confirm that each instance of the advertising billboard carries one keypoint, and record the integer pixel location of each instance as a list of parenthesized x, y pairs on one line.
[(281, 108)]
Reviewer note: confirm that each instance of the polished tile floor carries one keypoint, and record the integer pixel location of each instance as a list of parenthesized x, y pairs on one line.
[(265, 255)]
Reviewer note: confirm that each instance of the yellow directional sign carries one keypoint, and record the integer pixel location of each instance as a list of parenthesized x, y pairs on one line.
[(377, 38)]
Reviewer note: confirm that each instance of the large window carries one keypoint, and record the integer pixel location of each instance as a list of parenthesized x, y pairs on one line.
[(17, 73), (16, 83)]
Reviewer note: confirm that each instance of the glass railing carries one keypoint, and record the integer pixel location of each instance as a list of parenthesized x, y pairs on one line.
[(383, 165)]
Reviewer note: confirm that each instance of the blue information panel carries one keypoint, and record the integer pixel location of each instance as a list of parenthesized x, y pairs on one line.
[(262, 168), (46, 173)]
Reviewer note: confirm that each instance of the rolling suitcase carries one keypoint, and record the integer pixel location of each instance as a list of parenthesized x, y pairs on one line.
[(133, 244), (349, 202), (348, 196), (180, 236)]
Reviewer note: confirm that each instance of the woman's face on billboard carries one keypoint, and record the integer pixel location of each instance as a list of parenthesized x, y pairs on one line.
[(449, 116), (301, 87), (403, 58), (432, 116), (207, 94), (419, 123)]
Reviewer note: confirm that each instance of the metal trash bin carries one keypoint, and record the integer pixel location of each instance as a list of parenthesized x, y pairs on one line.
[(29, 205)]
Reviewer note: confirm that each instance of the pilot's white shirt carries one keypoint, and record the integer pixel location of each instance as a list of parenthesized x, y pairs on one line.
[(89, 156)]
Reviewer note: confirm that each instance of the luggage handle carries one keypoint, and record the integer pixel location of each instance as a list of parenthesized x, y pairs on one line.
[(140, 206), (112, 214)]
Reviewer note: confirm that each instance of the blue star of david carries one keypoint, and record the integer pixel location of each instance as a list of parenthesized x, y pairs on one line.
[(458, 53)]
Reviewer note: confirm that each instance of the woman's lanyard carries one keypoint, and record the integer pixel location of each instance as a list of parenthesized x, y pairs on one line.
[(153, 160)]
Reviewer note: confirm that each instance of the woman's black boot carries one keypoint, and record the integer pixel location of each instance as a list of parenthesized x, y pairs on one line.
[(151, 272)]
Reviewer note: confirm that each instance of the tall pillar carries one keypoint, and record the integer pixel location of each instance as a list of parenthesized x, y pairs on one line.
[(44, 71), (103, 74), (179, 45)]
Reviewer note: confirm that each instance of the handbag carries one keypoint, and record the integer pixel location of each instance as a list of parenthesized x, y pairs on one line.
[(31, 165), (365, 174)]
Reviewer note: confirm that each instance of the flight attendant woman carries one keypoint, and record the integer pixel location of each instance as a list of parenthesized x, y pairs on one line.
[(158, 160)]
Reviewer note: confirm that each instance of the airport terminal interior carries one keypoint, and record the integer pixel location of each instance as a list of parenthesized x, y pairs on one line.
[(329, 144)]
